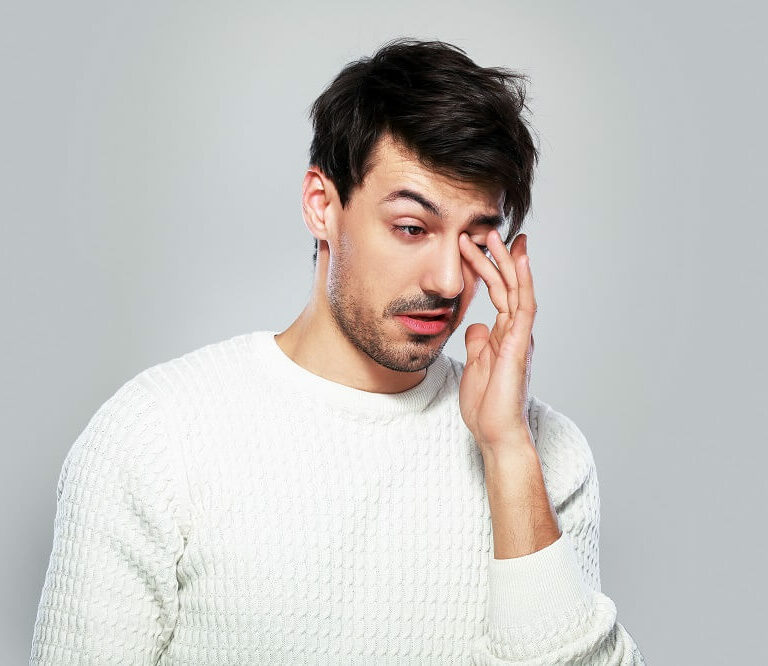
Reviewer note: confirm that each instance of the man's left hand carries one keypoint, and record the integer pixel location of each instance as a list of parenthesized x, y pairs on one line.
[(493, 393)]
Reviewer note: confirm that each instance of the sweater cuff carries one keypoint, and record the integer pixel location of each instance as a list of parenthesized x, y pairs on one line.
[(545, 585)]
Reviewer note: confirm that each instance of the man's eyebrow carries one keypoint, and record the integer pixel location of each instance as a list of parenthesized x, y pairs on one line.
[(479, 220)]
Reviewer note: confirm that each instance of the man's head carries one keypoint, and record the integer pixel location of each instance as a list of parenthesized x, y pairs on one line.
[(410, 147)]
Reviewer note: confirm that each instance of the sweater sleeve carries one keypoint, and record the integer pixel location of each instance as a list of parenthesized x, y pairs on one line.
[(547, 607), (110, 589)]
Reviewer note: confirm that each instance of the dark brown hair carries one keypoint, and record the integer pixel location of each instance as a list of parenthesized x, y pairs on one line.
[(461, 120)]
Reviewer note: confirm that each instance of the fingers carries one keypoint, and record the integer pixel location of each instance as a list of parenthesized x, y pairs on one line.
[(509, 285), (497, 289), (475, 338), (506, 263), (522, 326), (527, 296)]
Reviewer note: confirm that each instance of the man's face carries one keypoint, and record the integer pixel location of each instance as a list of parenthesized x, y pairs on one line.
[(390, 254)]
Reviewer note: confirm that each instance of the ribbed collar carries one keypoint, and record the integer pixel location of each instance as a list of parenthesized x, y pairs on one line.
[(351, 399)]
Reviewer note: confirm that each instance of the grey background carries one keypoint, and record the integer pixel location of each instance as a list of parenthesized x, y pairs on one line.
[(153, 155)]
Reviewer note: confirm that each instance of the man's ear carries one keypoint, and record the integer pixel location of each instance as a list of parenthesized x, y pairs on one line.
[(317, 204)]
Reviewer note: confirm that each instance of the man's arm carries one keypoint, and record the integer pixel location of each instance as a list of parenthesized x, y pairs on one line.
[(522, 516), (545, 606), (110, 590)]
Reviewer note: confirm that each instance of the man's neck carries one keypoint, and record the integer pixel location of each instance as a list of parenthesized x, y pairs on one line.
[(318, 347)]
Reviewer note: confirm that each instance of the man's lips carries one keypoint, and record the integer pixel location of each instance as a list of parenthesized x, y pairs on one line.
[(424, 325), (429, 314)]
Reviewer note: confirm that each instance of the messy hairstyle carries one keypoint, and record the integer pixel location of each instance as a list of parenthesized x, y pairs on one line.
[(461, 121)]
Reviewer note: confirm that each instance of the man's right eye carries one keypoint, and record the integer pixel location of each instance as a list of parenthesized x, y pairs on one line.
[(409, 226), (404, 230)]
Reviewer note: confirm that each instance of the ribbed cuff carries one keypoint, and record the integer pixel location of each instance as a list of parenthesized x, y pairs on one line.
[(547, 584)]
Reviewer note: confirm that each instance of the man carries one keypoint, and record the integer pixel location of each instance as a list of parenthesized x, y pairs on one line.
[(342, 491)]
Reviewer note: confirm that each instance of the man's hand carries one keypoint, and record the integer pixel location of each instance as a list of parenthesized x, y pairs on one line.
[(493, 392)]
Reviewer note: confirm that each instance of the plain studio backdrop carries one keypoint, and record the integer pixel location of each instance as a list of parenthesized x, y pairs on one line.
[(153, 155)]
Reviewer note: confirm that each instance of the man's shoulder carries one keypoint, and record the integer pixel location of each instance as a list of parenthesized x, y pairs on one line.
[(565, 454), (214, 367)]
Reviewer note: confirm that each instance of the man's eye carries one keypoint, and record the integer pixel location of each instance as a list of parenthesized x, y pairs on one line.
[(483, 248), (409, 226)]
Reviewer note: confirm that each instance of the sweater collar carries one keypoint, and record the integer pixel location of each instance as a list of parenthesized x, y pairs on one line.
[(300, 380)]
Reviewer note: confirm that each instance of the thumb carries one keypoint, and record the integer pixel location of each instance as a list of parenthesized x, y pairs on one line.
[(475, 338)]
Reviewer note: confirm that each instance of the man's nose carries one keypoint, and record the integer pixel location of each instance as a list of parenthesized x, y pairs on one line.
[(443, 273)]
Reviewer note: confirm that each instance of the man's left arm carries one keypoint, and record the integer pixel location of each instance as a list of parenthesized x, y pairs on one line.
[(544, 606), (541, 609)]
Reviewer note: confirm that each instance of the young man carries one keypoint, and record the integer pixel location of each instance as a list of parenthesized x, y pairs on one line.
[(342, 491)]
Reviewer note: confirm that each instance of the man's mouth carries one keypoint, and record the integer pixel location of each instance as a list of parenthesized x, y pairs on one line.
[(427, 318), (424, 324), (429, 315)]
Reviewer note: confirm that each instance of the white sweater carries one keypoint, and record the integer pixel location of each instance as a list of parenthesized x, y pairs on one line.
[(231, 507)]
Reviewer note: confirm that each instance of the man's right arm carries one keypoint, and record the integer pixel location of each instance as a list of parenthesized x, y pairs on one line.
[(110, 589)]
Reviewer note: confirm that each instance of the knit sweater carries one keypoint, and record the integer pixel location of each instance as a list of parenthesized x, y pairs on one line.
[(231, 507)]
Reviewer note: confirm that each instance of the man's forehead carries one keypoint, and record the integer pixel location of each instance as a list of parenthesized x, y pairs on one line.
[(398, 174)]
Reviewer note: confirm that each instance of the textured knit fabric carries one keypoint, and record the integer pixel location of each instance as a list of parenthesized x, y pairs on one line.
[(230, 507)]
